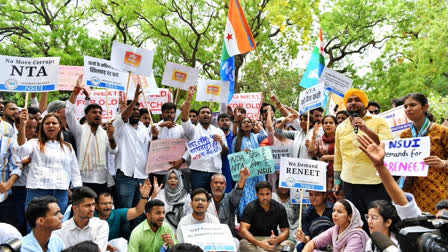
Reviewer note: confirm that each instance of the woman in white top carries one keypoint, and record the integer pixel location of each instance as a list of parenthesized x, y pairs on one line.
[(53, 161), (177, 200)]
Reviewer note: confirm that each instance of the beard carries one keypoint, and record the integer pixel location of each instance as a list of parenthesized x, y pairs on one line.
[(133, 120)]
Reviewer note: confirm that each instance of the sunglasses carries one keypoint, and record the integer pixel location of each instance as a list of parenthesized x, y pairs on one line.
[(375, 112)]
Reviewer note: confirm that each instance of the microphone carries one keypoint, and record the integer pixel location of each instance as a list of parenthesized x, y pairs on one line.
[(355, 128), (383, 243)]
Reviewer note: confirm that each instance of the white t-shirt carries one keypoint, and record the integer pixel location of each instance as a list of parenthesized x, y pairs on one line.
[(189, 220)]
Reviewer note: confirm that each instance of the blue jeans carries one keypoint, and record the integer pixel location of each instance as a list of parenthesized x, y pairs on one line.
[(19, 193), (60, 195), (128, 192), (201, 179)]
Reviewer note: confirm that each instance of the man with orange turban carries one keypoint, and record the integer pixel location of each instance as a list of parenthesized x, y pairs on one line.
[(352, 168)]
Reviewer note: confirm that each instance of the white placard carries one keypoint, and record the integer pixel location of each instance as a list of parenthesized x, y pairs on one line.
[(204, 148), (303, 173), (294, 195), (397, 120), (250, 101), (279, 152), (131, 59), (404, 157), (311, 98), (99, 97), (210, 237), (213, 90), (335, 82), (99, 73), (179, 76), (154, 101), (18, 74)]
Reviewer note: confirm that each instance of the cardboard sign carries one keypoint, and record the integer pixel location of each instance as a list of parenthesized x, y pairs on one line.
[(208, 236), (18, 74), (161, 152), (99, 97), (397, 120), (179, 76), (335, 82), (294, 195), (149, 84), (259, 161), (154, 101), (303, 173), (67, 77), (404, 157), (279, 152), (213, 90), (204, 148), (131, 59), (99, 73), (250, 101), (311, 98)]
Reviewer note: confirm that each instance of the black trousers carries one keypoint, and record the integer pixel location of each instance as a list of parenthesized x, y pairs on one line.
[(361, 195)]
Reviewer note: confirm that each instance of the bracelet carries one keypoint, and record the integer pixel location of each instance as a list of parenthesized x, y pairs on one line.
[(146, 198)]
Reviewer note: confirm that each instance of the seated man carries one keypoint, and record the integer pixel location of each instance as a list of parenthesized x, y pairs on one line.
[(83, 226), (199, 203), (258, 226), (44, 216), (116, 217), (152, 233)]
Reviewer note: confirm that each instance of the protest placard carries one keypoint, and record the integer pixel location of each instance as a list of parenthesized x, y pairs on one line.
[(303, 173), (335, 82), (67, 77), (99, 97), (161, 152), (209, 236), (154, 101), (18, 74), (99, 73), (404, 157), (213, 90), (250, 101), (204, 148), (294, 195), (397, 120), (131, 59), (259, 161), (281, 151), (179, 76), (311, 98), (148, 84)]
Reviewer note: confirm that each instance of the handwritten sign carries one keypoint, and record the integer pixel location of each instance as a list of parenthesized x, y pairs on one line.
[(250, 101), (99, 97), (204, 148), (99, 73), (279, 152), (259, 161), (67, 77), (131, 59), (311, 98), (179, 76), (18, 74), (294, 195), (208, 236), (161, 152), (397, 120), (335, 82), (404, 157), (303, 173), (213, 90)]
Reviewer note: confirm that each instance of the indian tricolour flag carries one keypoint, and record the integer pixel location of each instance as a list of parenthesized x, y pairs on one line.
[(238, 39), (315, 65)]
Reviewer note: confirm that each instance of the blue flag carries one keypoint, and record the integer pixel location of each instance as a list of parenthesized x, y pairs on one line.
[(227, 70), (313, 70)]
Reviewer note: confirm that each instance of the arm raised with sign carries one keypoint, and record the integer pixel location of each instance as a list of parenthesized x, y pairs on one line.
[(127, 112), (187, 103)]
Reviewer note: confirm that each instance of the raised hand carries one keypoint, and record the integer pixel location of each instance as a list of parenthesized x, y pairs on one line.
[(145, 188), (245, 173)]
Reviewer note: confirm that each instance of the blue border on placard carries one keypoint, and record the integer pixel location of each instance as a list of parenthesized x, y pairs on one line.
[(27, 88), (106, 85), (334, 91), (303, 186)]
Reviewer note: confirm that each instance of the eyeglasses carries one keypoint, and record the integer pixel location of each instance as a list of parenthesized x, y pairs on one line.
[(375, 112), (371, 217)]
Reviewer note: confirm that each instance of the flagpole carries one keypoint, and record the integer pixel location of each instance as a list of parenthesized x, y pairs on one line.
[(127, 87), (264, 73), (328, 105)]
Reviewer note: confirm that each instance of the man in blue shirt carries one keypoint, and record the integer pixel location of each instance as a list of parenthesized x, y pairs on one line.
[(44, 216), (224, 124)]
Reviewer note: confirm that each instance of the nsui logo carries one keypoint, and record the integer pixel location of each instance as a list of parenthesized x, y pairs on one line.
[(95, 81), (290, 181), (11, 84)]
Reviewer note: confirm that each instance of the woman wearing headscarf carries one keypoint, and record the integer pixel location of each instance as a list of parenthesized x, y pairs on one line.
[(176, 198), (346, 235)]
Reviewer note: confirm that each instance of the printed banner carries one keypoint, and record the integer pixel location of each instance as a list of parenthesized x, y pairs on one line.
[(250, 101), (303, 173), (397, 120), (149, 84), (279, 152), (67, 77), (294, 195), (311, 98), (404, 157), (259, 161), (99, 97), (154, 101), (161, 152), (204, 148), (99, 73), (213, 90), (131, 59), (179, 76), (20, 74), (335, 82), (210, 237)]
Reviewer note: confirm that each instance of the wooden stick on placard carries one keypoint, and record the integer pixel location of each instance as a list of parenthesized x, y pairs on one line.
[(175, 97), (146, 104), (300, 210), (127, 87), (327, 105), (107, 105), (264, 73), (307, 122), (210, 104), (26, 99)]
